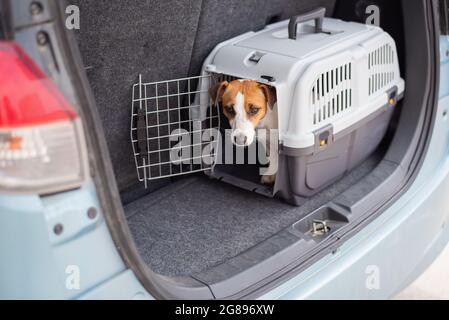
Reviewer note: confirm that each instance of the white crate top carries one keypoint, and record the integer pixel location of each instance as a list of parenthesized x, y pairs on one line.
[(307, 43), (337, 77)]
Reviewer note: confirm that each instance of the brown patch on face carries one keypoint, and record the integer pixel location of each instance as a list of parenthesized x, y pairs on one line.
[(269, 93), (216, 92), (257, 99)]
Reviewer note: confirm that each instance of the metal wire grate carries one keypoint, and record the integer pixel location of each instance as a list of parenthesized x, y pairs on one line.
[(174, 127)]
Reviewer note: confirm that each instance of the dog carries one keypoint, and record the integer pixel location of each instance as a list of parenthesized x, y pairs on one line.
[(249, 105)]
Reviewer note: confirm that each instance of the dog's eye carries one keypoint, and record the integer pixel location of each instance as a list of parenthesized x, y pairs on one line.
[(229, 109), (253, 110)]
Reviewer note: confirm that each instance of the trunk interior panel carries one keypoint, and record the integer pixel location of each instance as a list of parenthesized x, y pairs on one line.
[(186, 226)]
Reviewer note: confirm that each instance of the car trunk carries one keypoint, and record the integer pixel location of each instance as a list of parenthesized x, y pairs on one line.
[(193, 226)]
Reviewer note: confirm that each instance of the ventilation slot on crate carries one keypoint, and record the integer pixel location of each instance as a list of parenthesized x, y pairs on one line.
[(381, 67), (174, 127), (332, 93), (225, 77)]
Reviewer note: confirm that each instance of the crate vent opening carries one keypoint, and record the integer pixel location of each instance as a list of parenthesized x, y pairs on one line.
[(332, 93), (381, 66)]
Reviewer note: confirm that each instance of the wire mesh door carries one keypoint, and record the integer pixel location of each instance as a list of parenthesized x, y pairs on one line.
[(174, 127)]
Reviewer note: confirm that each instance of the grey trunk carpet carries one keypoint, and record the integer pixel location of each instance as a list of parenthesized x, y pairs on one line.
[(196, 223)]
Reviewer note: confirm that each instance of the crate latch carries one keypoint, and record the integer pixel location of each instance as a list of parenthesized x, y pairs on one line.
[(255, 57), (324, 137), (393, 96)]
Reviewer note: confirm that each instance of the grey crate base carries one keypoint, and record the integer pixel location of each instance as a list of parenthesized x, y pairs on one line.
[(300, 177)]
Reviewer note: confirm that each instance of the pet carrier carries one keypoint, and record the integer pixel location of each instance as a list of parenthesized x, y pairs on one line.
[(336, 84)]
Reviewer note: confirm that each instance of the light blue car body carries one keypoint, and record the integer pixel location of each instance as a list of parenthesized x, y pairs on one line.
[(83, 262)]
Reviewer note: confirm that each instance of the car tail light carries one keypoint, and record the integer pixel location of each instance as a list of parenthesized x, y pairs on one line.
[(42, 146)]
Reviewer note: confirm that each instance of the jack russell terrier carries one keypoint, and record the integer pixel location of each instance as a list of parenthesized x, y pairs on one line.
[(249, 105)]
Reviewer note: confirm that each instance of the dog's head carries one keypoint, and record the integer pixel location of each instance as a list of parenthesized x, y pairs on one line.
[(245, 103)]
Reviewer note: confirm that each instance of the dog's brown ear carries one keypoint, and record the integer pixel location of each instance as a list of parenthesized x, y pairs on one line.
[(217, 91), (270, 94)]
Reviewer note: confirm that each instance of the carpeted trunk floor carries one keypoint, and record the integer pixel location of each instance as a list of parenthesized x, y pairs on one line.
[(196, 223)]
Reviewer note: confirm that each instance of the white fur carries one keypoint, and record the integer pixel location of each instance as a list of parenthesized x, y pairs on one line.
[(242, 127), (270, 121)]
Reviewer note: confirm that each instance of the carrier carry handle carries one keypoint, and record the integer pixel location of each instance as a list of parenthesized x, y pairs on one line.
[(317, 15)]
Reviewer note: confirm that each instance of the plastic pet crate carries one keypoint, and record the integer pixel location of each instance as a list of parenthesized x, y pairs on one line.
[(336, 83)]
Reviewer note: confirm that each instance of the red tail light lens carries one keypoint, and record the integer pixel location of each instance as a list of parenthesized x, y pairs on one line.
[(41, 142)]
